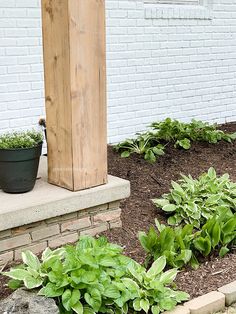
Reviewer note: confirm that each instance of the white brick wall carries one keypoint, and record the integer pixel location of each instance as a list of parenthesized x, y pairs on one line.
[(162, 61)]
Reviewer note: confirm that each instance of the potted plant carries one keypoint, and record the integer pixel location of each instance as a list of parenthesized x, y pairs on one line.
[(19, 160)]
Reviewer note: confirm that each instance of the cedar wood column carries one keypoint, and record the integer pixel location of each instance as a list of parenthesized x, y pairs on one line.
[(75, 92)]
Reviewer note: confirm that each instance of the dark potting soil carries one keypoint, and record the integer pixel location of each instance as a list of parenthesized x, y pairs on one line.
[(151, 181)]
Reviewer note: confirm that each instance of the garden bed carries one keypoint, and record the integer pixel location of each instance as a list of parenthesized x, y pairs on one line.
[(152, 180)]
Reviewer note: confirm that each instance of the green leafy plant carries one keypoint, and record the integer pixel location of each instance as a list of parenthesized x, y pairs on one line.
[(145, 144), (173, 243), (151, 287), (152, 143), (183, 133), (15, 140), (184, 245), (95, 277), (218, 233), (196, 200)]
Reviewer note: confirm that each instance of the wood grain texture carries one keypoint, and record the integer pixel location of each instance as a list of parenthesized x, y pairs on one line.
[(75, 88)]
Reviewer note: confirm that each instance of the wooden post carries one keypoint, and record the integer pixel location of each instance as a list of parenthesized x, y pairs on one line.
[(75, 92)]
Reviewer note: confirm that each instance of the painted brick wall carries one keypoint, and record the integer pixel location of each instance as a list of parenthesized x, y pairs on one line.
[(162, 61)]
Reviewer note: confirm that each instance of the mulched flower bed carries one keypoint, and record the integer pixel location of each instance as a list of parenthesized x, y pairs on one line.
[(152, 180)]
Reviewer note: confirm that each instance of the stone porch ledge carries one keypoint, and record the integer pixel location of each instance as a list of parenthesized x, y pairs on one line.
[(48, 201), (51, 216)]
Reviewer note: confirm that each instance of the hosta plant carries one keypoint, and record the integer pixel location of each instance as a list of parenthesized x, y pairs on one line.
[(182, 134), (151, 143), (194, 201), (95, 277), (218, 233), (184, 245), (145, 144), (173, 243), (151, 288)]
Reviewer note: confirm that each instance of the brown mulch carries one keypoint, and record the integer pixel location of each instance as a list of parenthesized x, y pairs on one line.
[(151, 181)]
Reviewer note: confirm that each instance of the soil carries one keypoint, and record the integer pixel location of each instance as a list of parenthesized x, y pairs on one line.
[(150, 181)]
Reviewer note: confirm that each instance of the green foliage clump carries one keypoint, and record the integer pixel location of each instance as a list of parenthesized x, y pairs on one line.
[(151, 144), (15, 140), (196, 200), (183, 133), (146, 144), (95, 277), (173, 243), (183, 245)]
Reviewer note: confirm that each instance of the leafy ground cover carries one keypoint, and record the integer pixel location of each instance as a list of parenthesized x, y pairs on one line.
[(95, 277), (184, 245), (150, 181), (195, 201), (152, 143)]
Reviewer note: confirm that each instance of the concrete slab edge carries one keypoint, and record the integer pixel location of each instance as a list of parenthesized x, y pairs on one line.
[(209, 303), (115, 190)]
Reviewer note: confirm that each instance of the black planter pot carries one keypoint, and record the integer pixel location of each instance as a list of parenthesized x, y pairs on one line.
[(19, 168)]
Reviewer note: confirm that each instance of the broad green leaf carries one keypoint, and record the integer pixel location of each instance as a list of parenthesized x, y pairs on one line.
[(89, 277), (78, 308), (212, 173), (46, 253), (167, 304), (216, 232), (51, 291), (185, 143), (177, 187), (32, 283), (136, 305), (158, 150), (172, 220), (144, 304), (203, 245), (88, 259), (229, 226), (19, 274), (125, 154), (107, 261), (136, 270), (194, 262), (150, 156), (159, 226), (223, 251), (130, 284), (93, 299), (184, 256), (148, 241), (31, 260), (66, 299), (88, 310), (181, 296), (160, 202), (155, 309), (169, 208), (157, 267), (112, 292), (168, 276), (157, 285), (14, 284), (167, 238), (75, 297)]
